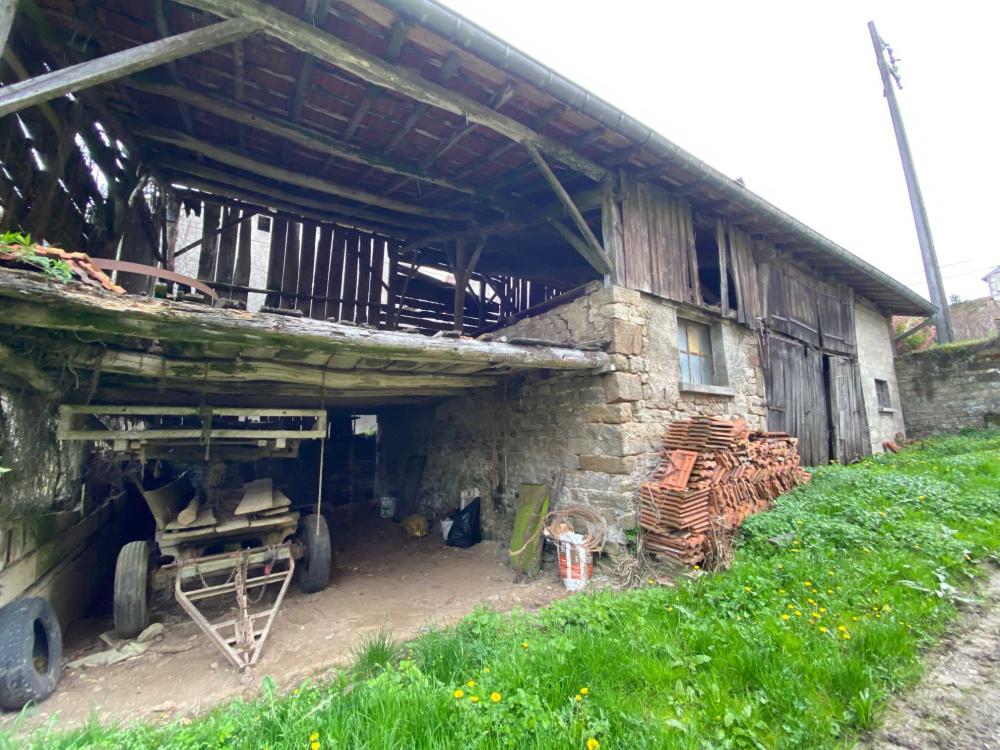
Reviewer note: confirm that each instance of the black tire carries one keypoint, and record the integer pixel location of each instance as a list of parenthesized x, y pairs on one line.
[(131, 604), (30, 652), (314, 566)]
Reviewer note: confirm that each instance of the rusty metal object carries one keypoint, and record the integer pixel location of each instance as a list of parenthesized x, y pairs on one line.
[(86, 269), (127, 266)]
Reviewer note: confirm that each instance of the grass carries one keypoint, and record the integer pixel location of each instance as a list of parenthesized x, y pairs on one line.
[(799, 645)]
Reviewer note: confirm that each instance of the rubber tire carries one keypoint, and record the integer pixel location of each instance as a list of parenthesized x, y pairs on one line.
[(314, 566), (20, 682), (131, 603)]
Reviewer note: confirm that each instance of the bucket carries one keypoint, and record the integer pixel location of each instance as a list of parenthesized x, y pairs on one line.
[(576, 563)]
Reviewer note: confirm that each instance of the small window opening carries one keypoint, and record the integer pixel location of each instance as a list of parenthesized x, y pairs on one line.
[(264, 223), (709, 275), (694, 344), (882, 394)]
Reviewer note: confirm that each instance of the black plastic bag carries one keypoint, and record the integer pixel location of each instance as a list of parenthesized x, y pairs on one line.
[(465, 527)]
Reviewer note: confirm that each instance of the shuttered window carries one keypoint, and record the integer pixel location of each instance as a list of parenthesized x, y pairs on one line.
[(882, 394), (694, 344)]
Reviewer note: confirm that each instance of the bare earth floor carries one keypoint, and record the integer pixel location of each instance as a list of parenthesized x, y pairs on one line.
[(383, 580), (957, 704)]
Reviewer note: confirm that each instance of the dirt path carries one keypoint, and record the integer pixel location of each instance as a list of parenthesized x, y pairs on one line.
[(957, 704), (383, 580)]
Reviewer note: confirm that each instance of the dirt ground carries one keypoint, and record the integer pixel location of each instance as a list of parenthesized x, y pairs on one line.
[(957, 704), (383, 580)]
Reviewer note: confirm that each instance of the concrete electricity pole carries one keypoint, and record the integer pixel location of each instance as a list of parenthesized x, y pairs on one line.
[(887, 68)]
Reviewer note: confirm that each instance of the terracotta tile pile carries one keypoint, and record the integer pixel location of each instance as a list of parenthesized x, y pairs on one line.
[(714, 471), (80, 264)]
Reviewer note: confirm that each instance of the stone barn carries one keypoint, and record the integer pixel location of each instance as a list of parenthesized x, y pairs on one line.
[(377, 208)]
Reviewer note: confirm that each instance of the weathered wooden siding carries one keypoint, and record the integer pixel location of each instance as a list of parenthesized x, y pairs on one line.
[(797, 401), (659, 253), (850, 433)]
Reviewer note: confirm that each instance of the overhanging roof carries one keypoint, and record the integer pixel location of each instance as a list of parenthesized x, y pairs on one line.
[(346, 110)]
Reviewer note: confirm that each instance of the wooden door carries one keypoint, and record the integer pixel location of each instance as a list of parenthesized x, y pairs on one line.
[(797, 398), (850, 427)]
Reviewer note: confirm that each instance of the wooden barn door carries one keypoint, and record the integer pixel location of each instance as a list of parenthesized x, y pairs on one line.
[(850, 428), (797, 398)]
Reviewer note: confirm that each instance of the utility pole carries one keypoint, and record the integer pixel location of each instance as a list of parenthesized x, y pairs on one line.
[(887, 68)]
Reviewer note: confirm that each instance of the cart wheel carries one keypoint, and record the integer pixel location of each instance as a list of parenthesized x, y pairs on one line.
[(131, 603), (30, 652), (314, 567)]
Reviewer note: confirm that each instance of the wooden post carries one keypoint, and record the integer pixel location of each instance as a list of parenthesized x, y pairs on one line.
[(376, 284), (276, 261), (18, 96), (210, 242), (350, 294), (364, 278), (244, 256), (337, 260), (613, 230), (393, 293)]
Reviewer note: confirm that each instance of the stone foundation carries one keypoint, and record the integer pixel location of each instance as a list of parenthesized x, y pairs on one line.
[(603, 429)]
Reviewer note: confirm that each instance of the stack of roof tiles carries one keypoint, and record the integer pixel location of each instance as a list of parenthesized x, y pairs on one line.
[(714, 472)]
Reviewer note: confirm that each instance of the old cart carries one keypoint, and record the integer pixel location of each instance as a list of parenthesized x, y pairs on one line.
[(216, 543)]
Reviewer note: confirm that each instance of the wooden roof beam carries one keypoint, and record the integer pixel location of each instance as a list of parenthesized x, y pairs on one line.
[(157, 134), (43, 88), (303, 136), (374, 69)]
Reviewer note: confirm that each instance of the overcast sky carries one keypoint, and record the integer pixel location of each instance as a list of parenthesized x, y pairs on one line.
[(787, 96)]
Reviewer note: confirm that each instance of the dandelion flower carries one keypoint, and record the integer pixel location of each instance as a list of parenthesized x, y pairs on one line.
[(747, 589), (829, 591), (780, 566), (785, 618), (471, 683), (524, 644), (829, 572), (650, 581), (842, 628), (798, 613), (314, 737), (474, 698), (487, 670), (584, 691), (781, 591), (696, 567), (855, 618), (822, 610), (670, 609), (807, 584), (314, 746), (579, 697), (459, 694), (593, 744), (790, 606), (846, 636), (495, 696), (822, 628)]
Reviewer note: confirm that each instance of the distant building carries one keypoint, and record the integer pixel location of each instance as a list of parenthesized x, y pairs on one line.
[(992, 280)]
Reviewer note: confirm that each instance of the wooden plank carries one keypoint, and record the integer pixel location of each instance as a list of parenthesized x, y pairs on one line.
[(458, 312), (209, 256), (720, 240), (258, 495), (227, 245), (276, 260), (290, 273), (352, 253), (244, 253), (322, 274), (612, 230), (335, 288), (307, 264), (376, 283), (17, 96), (373, 69), (364, 278)]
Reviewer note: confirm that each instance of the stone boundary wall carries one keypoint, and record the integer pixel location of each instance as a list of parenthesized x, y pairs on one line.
[(603, 429), (948, 388)]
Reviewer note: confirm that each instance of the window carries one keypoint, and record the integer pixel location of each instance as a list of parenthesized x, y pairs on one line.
[(264, 223), (882, 394), (694, 344)]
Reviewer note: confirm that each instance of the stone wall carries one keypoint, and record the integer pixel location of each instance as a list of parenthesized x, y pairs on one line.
[(44, 475), (876, 360), (603, 429), (947, 388)]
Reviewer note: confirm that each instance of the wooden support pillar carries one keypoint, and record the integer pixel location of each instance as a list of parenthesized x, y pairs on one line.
[(244, 255), (379, 249), (613, 229), (393, 293), (459, 310), (276, 261), (364, 278), (350, 294), (209, 257), (334, 288)]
